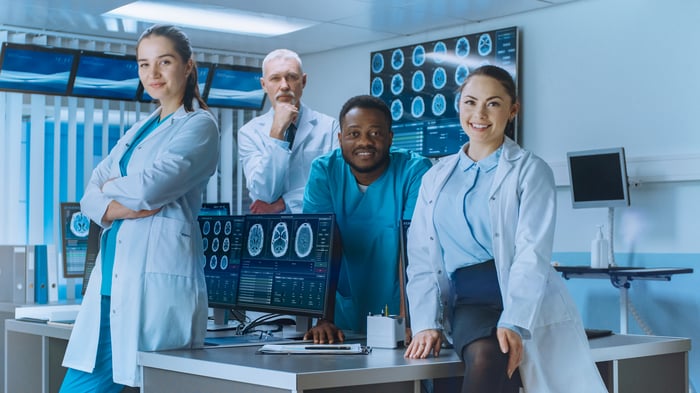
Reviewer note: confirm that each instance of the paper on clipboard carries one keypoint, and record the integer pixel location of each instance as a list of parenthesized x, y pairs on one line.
[(303, 349)]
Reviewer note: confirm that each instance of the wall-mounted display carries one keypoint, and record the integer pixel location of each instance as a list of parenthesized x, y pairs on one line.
[(235, 87), (106, 76), (420, 85), (75, 227), (35, 69)]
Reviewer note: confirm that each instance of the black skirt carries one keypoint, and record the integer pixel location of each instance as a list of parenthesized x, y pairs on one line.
[(477, 304)]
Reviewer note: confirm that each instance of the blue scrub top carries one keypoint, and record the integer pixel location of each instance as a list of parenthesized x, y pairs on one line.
[(369, 225)]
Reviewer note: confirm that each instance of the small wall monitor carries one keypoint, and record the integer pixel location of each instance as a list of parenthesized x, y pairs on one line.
[(215, 209), (420, 84), (75, 227), (202, 79), (235, 87), (35, 69), (106, 76), (289, 264), (598, 178), (222, 238)]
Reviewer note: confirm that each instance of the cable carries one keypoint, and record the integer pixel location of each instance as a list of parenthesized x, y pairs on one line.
[(642, 324), (611, 224)]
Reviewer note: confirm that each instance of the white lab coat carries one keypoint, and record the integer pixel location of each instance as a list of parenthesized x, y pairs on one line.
[(522, 207), (158, 298), (271, 169)]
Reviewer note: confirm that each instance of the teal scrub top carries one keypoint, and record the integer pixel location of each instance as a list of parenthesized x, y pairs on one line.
[(369, 225)]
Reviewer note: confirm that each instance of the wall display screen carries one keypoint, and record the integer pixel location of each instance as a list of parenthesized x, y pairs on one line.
[(419, 83), (106, 76), (202, 79), (235, 87), (598, 178), (35, 69), (222, 238), (289, 264), (75, 227), (215, 209)]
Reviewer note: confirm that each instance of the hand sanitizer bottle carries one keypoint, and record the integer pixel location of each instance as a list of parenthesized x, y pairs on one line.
[(599, 250)]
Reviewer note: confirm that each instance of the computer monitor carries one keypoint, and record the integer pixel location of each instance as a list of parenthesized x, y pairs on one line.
[(233, 86), (75, 227), (598, 178), (289, 264), (215, 209), (35, 69), (106, 76), (91, 251), (222, 239)]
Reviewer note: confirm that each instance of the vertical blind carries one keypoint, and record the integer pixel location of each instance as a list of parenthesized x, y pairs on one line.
[(50, 144)]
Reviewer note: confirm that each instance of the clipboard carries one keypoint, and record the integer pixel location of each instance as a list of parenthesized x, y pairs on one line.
[(309, 349)]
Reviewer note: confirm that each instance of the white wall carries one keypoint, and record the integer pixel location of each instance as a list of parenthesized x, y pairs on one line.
[(593, 73)]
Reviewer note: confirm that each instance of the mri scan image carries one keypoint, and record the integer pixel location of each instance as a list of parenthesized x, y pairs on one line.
[(397, 84), (397, 59), (461, 73), (377, 63), (217, 227), (206, 228), (440, 50), (213, 262), (226, 245), (304, 240), (439, 104), (396, 109), (79, 224), (255, 240), (485, 44), (418, 55), (462, 47), (224, 262), (279, 242), (377, 87), (418, 81), (417, 107), (227, 228), (439, 78), (215, 244)]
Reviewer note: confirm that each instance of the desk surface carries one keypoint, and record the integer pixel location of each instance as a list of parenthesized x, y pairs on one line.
[(663, 273), (244, 364)]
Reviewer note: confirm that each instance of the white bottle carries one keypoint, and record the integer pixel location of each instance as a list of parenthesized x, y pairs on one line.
[(599, 250)]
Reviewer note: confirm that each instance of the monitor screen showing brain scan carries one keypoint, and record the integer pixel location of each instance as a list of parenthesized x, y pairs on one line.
[(222, 241), (420, 85), (288, 263)]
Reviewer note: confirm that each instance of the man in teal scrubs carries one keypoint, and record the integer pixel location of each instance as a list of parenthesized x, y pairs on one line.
[(370, 187)]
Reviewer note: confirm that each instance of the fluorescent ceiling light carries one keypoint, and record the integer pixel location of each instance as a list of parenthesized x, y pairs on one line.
[(208, 17)]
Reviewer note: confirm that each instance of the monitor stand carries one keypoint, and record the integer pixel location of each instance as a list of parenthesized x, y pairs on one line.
[(221, 320), (303, 324)]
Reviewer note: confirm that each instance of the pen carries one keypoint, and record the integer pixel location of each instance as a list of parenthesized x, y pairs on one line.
[(340, 347)]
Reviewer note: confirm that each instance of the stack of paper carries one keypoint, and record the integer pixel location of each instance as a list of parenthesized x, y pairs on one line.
[(336, 349), (64, 313)]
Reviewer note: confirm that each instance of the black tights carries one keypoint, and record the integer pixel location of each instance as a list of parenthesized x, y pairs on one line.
[(485, 368)]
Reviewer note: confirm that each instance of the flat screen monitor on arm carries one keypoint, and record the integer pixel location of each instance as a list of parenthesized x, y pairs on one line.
[(598, 178)]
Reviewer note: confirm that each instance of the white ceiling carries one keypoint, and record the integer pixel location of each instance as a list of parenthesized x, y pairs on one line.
[(340, 22)]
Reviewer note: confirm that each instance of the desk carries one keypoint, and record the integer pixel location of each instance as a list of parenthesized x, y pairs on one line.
[(626, 362), (7, 311), (621, 277)]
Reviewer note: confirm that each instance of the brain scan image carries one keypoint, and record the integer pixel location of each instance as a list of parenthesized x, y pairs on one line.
[(225, 245), (418, 81), (206, 228), (204, 261), (227, 228), (418, 55), (462, 47), (439, 104), (397, 59), (224, 262), (396, 110), (279, 242), (213, 262), (205, 244), (215, 245), (397, 84), (485, 45), (217, 227), (457, 97), (417, 107), (79, 224), (377, 63), (304, 240), (440, 50), (255, 240), (461, 73), (377, 87), (439, 78)]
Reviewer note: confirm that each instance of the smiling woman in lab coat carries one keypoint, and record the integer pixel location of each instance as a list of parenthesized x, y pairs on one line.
[(147, 291), (479, 250)]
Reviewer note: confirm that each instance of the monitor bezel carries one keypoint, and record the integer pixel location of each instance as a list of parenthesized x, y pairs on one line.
[(238, 68), (622, 167), (40, 48), (112, 56)]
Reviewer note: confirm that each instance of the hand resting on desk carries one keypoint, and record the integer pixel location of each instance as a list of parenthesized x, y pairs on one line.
[(325, 332)]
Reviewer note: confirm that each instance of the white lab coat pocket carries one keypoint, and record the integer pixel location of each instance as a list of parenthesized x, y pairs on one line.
[(170, 247)]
